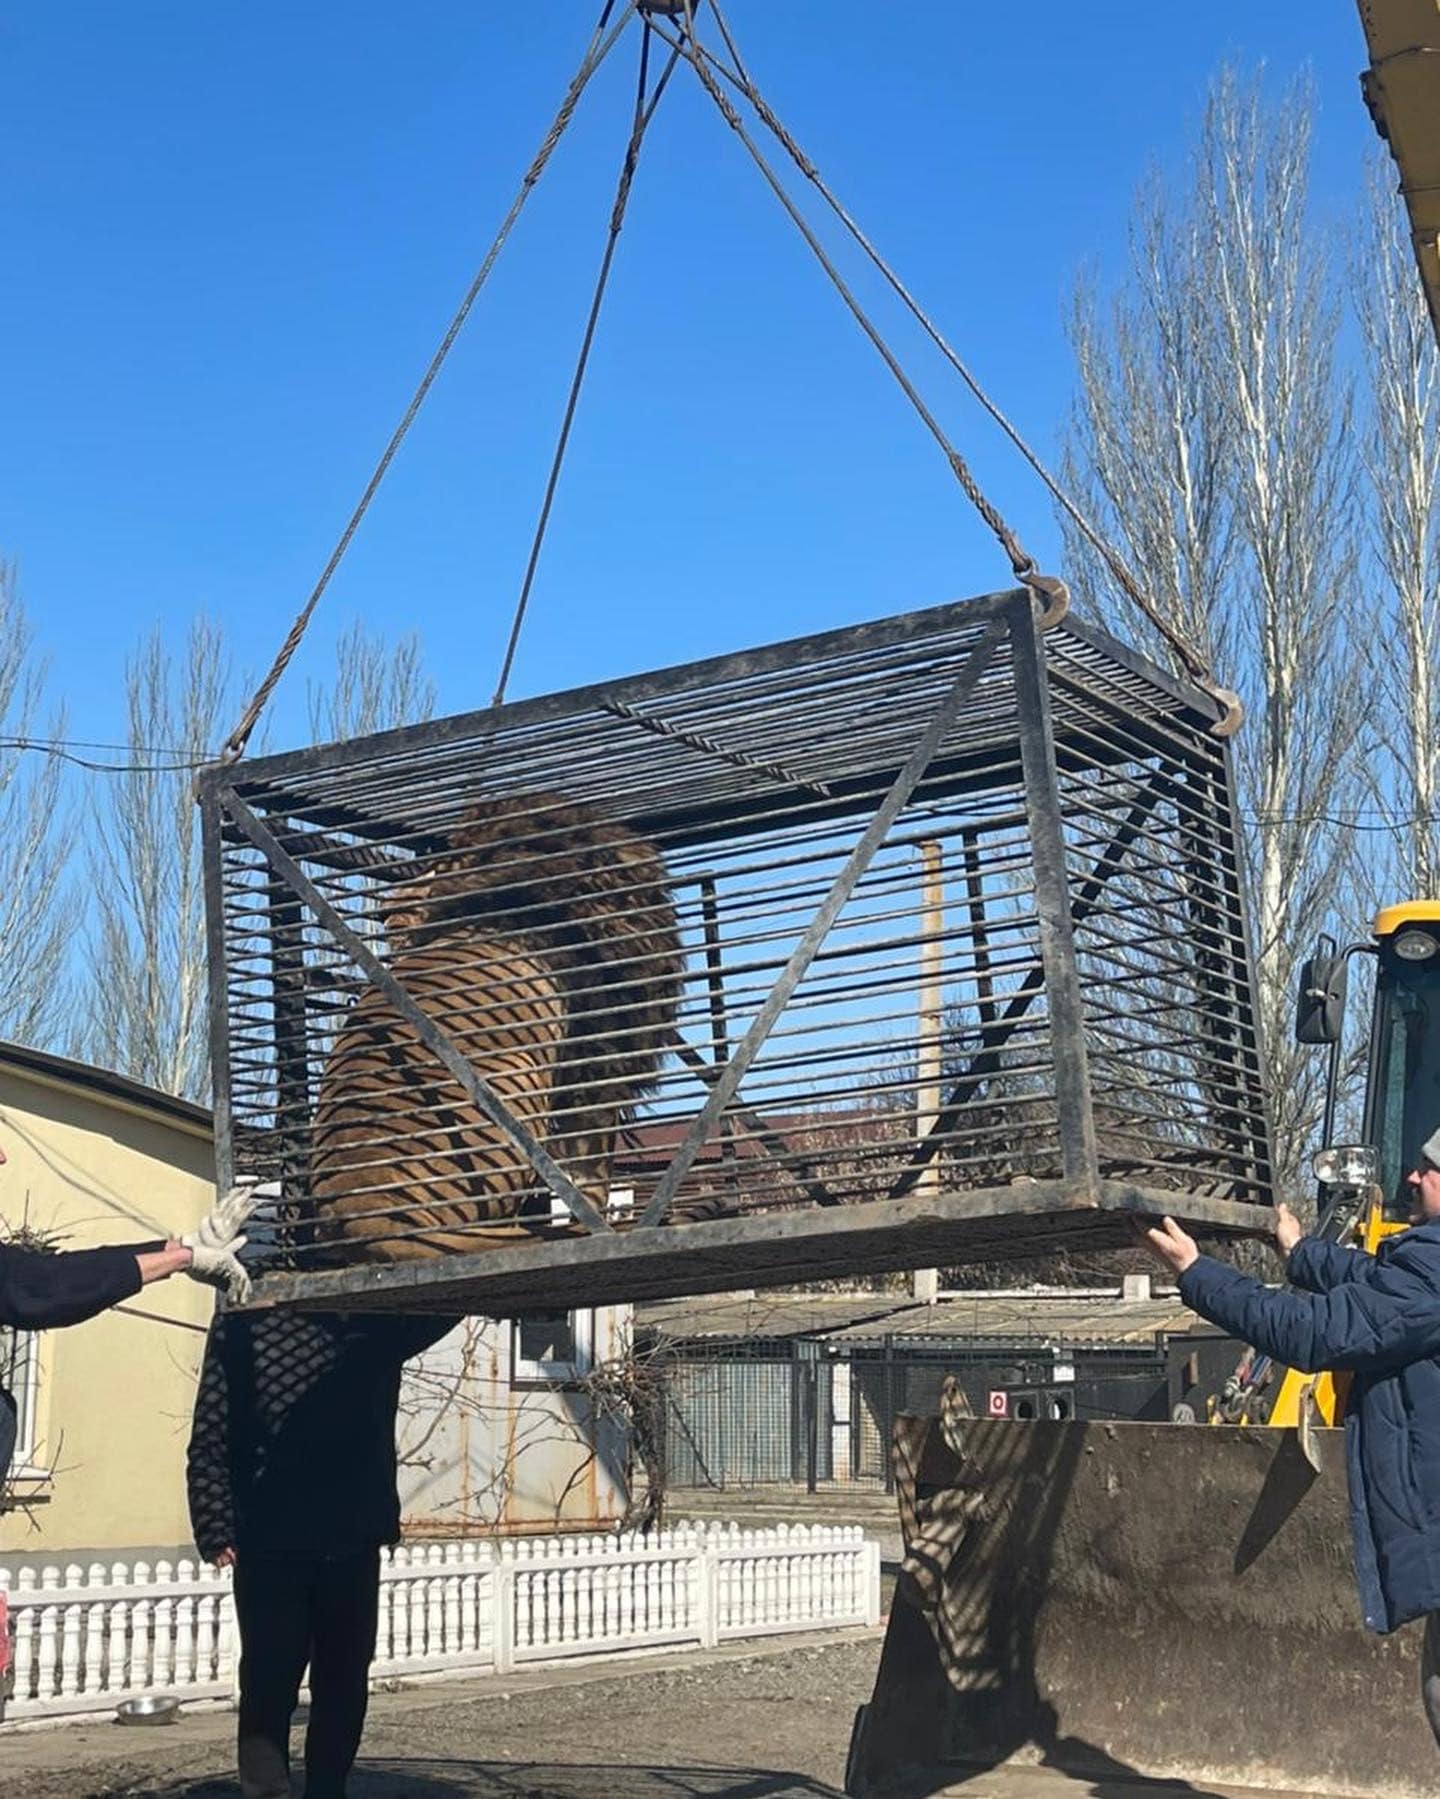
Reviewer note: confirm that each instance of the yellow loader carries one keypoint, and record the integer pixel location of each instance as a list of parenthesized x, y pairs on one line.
[(1157, 1599), (1143, 1599)]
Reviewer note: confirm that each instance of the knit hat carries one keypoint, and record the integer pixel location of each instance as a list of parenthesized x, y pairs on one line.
[(1430, 1149)]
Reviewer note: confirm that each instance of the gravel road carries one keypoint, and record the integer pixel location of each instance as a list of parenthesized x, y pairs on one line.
[(768, 1725), (757, 1723)]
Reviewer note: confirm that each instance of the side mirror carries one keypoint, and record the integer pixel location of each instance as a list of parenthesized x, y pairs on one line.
[(1320, 1001)]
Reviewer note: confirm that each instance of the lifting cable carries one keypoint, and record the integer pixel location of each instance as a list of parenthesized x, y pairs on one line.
[(708, 67), (599, 47), (645, 105), (714, 75), (1046, 587)]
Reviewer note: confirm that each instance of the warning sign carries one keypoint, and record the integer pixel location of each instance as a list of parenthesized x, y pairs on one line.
[(998, 1405)]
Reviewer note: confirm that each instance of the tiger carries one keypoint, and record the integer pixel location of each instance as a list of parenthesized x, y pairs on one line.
[(544, 940)]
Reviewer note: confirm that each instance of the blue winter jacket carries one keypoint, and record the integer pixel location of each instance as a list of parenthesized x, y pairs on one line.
[(1378, 1317)]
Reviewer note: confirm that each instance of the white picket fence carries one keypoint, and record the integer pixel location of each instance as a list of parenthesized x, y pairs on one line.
[(84, 1638)]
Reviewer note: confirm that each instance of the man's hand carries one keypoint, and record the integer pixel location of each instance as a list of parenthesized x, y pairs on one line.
[(1288, 1229), (216, 1242), (1172, 1246), (225, 1559)]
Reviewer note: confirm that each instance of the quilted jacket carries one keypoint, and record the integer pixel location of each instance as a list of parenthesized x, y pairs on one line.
[(1379, 1318), (292, 1447), (42, 1290)]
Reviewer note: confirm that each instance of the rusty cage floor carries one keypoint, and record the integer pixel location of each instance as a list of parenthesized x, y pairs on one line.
[(668, 1262)]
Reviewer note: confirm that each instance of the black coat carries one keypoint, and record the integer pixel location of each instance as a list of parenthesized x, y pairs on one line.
[(40, 1290), (1379, 1318), (292, 1449)]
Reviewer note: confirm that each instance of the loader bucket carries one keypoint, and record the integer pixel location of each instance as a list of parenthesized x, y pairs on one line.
[(1134, 1600)]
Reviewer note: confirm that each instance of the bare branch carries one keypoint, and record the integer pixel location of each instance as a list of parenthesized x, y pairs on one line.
[(1213, 435), (376, 687), (37, 836), (147, 1003)]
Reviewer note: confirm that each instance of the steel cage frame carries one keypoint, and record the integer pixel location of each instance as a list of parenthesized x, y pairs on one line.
[(291, 812)]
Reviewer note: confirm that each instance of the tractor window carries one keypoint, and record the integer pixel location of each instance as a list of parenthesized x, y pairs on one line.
[(1406, 1098)]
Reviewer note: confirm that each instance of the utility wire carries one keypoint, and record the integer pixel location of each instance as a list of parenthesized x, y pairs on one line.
[(62, 751), (1365, 819)]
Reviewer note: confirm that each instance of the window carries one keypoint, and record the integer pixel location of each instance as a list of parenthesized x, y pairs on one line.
[(551, 1346), (20, 1373), (1406, 1096)]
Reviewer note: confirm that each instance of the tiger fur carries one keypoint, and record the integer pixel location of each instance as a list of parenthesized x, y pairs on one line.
[(545, 942)]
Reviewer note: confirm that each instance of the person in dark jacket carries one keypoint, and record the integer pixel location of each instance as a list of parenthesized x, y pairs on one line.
[(46, 1290), (1376, 1317), (291, 1476)]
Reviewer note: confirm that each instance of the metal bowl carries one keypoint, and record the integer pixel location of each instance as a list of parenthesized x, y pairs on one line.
[(149, 1708)]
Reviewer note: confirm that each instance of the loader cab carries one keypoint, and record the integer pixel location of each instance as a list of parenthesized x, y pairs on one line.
[(1402, 1096), (1363, 1196), (1402, 1085)]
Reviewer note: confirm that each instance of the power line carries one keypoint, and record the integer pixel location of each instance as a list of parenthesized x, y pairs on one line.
[(1370, 819), (66, 750), (1344, 822), (94, 743)]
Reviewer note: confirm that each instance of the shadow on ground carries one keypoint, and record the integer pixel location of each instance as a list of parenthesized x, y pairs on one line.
[(428, 1778), (1093, 1776)]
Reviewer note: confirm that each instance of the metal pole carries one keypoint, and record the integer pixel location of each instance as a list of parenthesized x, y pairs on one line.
[(719, 1021), (925, 1282), (979, 932), (220, 1093), (967, 678), (812, 1425), (292, 1055), (1075, 1116), (887, 1431)]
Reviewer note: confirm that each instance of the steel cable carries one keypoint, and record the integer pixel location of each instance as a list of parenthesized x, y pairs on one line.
[(596, 51), (1021, 562), (645, 106), (1184, 651)]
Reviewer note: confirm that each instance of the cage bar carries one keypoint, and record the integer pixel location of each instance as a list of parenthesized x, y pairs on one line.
[(630, 992)]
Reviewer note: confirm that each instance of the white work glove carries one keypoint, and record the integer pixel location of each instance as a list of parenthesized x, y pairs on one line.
[(216, 1242)]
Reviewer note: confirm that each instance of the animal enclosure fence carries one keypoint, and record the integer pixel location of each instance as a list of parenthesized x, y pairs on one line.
[(910, 942), (747, 1413)]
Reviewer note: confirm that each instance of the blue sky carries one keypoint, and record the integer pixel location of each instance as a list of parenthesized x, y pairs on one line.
[(232, 237)]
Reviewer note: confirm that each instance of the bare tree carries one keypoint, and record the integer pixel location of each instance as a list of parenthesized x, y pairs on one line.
[(1212, 439), (146, 1012), (1401, 455), (561, 1444), (376, 687), (36, 839)]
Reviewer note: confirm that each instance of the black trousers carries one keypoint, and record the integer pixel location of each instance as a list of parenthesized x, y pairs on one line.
[(293, 1610)]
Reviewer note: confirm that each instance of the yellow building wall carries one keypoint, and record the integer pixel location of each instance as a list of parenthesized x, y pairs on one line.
[(115, 1394)]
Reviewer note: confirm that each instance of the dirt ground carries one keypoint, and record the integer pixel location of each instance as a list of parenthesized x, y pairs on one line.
[(748, 1723)]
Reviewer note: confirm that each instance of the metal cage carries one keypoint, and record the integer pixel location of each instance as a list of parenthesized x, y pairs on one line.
[(962, 972)]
